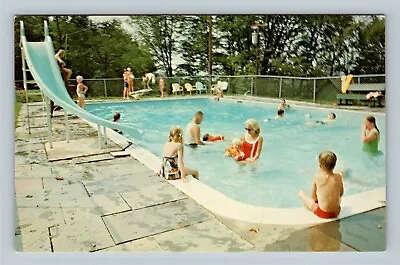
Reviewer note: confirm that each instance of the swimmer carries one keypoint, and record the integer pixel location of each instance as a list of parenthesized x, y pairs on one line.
[(370, 135), (280, 114), (252, 141), (192, 133), (117, 117), (210, 138), (283, 105), (331, 118), (235, 150)]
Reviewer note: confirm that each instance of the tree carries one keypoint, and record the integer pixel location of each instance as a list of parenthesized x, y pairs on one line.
[(371, 47), (159, 33)]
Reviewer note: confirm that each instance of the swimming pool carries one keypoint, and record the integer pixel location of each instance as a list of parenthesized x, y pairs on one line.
[(289, 157)]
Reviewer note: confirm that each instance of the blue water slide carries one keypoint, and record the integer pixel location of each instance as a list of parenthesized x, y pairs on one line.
[(40, 58)]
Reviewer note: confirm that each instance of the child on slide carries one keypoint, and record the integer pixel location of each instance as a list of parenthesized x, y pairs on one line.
[(210, 138), (235, 150)]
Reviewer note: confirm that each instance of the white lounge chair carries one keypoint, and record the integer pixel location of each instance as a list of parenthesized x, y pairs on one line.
[(220, 85), (200, 87), (189, 88), (177, 88)]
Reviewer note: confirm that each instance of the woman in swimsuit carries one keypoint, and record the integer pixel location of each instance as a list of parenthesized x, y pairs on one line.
[(370, 135), (125, 75), (131, 79), (172, 164), (252, 142)]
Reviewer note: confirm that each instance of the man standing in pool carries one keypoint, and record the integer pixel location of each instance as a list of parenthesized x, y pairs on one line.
[(192, 132)]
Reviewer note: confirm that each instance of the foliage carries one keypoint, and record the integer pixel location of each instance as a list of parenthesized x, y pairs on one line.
[(295, 45)]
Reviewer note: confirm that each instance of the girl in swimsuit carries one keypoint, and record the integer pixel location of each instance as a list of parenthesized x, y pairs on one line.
[(172, 164), (252, 142), (370, 135), (131, 79)]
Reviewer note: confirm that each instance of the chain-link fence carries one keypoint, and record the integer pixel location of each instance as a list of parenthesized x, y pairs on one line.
[(318, 89)]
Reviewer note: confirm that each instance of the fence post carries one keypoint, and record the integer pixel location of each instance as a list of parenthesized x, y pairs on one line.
[(315, 86), (105, 87), (280, 87), (252, 85), (359, 80)]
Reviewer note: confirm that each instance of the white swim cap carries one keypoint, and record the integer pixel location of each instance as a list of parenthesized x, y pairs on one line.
[(129, 69), (79, 77)]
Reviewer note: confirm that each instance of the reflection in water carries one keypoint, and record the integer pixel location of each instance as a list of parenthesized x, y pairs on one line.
[(319, 241)]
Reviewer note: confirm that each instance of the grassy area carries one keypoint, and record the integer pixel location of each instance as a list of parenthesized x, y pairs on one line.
[(33, 96)]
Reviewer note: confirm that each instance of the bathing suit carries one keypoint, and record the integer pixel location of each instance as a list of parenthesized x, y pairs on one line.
[(170, 169), (215, 138), (373, 145), (250, 147), (322, 214), (81, 95), (188, 136), (126, 84), (235, 153)]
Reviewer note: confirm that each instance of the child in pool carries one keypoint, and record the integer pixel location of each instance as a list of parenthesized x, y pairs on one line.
[(235, 150), (279, 114), (117, 117), (210, 138), (327, 188), (283, 105)]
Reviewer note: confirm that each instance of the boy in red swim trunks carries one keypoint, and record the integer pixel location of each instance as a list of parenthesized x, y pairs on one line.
[(210, 138), (327, 188)]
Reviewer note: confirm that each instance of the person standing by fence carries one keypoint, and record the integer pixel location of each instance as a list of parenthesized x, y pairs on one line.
[(161, 86), (125, 94), (131, 81)]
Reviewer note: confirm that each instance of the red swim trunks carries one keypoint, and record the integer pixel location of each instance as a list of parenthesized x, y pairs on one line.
[(322, 214)]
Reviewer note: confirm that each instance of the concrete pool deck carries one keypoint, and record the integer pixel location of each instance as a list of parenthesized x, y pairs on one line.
[(112, 203)]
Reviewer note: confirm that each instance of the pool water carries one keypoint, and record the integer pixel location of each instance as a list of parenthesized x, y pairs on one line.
[(289, 158)]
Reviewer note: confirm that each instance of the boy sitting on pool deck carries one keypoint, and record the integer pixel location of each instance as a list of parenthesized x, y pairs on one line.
[(327, 188), (210, 138), (235, 151)]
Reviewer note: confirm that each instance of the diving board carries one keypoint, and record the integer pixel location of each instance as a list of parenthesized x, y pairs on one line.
[(40, 58)]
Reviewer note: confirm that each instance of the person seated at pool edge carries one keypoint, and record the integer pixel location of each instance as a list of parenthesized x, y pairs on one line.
[(370, 134), (173, 166), (192, 132), (252, 142), (279, 114), (117, 117), (326, 190), (211, 138), (235, 150)]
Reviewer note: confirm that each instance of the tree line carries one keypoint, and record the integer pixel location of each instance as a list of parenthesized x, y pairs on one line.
[(291, 45)]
